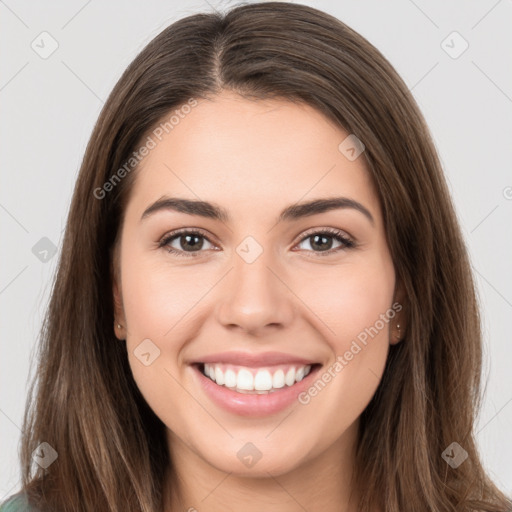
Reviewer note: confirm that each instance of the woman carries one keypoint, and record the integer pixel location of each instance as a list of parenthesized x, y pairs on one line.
[(264, 301)]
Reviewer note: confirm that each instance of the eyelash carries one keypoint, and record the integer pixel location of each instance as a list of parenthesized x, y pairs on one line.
[(334, 233)]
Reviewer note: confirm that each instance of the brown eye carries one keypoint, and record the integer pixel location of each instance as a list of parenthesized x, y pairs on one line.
[(184, 243), (322, 241)]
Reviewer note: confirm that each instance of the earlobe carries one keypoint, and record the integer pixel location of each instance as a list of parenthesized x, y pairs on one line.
[(396, 334)]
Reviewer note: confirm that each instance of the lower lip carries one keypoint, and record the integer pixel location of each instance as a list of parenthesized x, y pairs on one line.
[(244, 404)]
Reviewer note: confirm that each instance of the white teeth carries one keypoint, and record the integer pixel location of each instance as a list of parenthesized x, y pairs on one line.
[(230, 379), (290, 377), (263, 381), (219, 376), (278, 379), (244, 380)]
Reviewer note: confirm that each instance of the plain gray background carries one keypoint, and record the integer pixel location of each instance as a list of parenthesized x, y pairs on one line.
[(49, 106)]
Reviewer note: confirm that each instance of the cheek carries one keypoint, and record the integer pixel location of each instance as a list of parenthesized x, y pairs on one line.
[(158, 298), (158, 303), (355, 304), (351, 299), (162, 304)]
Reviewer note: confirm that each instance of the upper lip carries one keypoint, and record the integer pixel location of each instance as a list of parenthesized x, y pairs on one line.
[(254, 360)]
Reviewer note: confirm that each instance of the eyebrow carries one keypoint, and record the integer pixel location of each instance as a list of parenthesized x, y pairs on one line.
[(290, 213)]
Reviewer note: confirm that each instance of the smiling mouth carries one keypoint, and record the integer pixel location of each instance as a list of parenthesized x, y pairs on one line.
[(264, 380)]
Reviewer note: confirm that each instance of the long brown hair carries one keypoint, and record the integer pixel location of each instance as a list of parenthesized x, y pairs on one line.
[(83, 401)]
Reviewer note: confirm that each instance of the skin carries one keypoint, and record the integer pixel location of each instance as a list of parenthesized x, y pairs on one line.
[(254, 158)]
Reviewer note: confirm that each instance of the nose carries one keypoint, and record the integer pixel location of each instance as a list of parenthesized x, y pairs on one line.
[(255, 297)]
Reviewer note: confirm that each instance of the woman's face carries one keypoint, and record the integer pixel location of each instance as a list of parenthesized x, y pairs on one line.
[(260, 291)]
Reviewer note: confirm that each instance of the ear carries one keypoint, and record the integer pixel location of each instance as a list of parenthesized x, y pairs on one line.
[(117, 296), (398, 324)]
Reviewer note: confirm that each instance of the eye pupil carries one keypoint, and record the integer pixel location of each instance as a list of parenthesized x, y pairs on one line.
[(190, 237), (323, 238)]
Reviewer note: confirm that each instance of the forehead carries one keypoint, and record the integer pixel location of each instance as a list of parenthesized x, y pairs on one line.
[(246, 154)]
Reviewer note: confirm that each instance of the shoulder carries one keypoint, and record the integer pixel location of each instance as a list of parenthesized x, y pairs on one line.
[(16, 503)]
